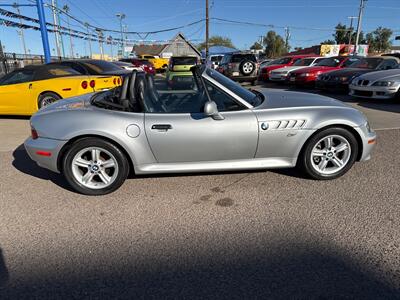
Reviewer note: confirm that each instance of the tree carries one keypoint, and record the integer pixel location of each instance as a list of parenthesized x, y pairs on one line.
[(274, 44), (217, 40), (379, 39), (256, 46), (328, 42), (341, 34)]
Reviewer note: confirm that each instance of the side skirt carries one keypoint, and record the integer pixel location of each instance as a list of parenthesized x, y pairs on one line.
[(209, 166)]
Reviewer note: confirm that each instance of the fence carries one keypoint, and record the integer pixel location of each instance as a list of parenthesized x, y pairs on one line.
[(12, 61)]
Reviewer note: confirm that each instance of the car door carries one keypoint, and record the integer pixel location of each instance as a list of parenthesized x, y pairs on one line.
[(184, 134), (15, 92)]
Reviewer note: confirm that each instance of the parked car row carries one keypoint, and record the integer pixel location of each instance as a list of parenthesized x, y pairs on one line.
[(368, 77)]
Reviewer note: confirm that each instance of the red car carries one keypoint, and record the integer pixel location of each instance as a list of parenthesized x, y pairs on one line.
[(144, 64), (307, 76), (279, 63)]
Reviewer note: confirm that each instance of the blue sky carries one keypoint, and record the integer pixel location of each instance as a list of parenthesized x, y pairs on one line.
[(151, 15)]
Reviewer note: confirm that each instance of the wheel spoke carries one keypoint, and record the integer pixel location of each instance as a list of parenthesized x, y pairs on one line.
[(95, 154), (318, 152), (87, 177), (341, 147), (322, 164), (104, 177), (80, 162), (337, 162), (328, 142), (108, 164)]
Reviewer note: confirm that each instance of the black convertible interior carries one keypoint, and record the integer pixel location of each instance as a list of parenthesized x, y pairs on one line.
[(140, 92)]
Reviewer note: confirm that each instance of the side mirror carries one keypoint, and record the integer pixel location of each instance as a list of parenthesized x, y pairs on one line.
[(211, 110)]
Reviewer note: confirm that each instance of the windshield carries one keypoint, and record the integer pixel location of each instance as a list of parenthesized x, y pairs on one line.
[(367, 63), (329, 62), (181, 61), (236, 58), (101, 66), (281, 61), (235, 87), (304, 62), (18, 76)]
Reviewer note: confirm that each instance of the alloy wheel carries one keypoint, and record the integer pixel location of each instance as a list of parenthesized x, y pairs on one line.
[(330, 154), (94, 168)]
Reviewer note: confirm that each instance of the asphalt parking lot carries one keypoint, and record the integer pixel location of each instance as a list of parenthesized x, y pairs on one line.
[(271, 234)]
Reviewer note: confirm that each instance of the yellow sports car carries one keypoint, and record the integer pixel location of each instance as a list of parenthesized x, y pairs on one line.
[(24, 91)]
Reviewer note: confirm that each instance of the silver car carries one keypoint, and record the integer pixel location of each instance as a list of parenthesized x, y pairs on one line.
[(281, 74), (143, 127), (377, 85)]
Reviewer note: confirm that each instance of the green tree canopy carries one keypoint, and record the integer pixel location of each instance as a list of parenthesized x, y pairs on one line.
[(274, 44), (256, 46), (379, 39), (217, 40)]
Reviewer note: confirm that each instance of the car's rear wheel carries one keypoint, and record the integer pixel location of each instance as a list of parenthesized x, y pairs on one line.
[(329, 154), (47, 99), (93, 166)]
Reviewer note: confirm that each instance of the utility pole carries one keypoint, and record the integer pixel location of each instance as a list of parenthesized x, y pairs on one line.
[(21, 31), (71, 49), (121, 16), (287, 36), (100, 33), (56, 27), (59, 26), (89, 39), (351, 30), (360, 14), (110, 40), (207, 28)]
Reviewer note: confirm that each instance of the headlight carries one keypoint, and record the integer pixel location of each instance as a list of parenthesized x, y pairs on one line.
[(305, 74), (343, 79), (384, 83)]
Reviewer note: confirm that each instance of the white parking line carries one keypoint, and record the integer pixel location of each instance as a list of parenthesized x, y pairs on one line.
[(389, 128)]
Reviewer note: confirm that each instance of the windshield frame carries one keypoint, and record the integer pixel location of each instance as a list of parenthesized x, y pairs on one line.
[(208, 73)]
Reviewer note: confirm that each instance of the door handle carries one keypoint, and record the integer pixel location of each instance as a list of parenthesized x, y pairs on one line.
[(30, 86), (161, 127)]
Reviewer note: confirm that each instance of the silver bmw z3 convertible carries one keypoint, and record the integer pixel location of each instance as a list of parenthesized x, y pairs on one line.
[(205, 123)]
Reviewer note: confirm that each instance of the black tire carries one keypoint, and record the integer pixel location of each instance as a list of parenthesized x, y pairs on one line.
[(305, 163), (47, 98), (79, 145), (253, 83), (247, 67)]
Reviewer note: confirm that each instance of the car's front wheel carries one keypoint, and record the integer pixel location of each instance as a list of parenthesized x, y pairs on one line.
[(329, 154), (93, 166)]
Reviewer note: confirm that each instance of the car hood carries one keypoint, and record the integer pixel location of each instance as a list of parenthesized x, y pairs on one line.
[(382, 75), (279, 99), (315, 69), (273, 67), (349, 72), (290, 68)]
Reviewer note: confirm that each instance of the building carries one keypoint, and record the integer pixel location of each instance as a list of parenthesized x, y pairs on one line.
[(178, 46)]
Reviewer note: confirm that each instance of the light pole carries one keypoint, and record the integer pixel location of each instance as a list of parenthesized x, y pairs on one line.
[(351, 31), (21, 31), (121, 16), (360, 15), (89, 39), (66, 10), (207, 29), (56, 28)]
